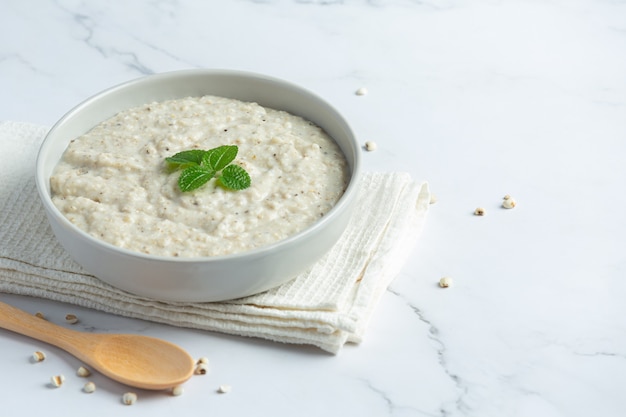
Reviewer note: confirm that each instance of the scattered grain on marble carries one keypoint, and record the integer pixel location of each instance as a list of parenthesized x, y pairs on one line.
[(40, 315), (38, 356), (129, 398), (203, 360), (201, 369), (83, 372), (445, 282), (71, 318), (178, 390), (508, 202), (370, 146), (57, 380), (479, 211), (89, 387), (224, 389), (361, 91), (433, 199)]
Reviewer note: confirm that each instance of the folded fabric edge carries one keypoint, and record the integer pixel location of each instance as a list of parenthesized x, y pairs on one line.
[(325, 322), (381, 272), (329, 342)]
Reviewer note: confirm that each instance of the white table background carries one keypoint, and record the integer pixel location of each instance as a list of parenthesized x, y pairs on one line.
[(482, 98)]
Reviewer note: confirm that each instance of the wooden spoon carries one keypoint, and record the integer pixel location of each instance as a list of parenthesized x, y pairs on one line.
[(139, 361)]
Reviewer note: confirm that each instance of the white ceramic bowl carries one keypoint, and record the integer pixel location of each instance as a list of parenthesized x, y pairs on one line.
[(210, 278)]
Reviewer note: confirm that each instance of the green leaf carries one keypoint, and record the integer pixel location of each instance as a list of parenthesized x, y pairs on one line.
[(200, 166), (185, 159), (194, 177), (234, 177), (218, 158)]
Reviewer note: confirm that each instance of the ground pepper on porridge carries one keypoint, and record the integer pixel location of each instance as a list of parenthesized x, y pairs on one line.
[(113, 182)]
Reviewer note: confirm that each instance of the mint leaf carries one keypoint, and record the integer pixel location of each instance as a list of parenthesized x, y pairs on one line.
[(185, 158), (200, 166), (234, 177), (194, 177), (218, 158)]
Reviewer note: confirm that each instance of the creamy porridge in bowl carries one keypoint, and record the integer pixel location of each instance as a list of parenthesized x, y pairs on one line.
[(116, 201), (113, 182)]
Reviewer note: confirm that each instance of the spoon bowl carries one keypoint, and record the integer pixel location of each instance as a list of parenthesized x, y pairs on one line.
[(135, 360)]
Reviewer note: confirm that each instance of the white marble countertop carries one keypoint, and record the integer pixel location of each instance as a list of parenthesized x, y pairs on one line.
[(481, 98)]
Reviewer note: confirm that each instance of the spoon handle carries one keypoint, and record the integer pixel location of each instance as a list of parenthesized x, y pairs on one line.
[(27, 324)]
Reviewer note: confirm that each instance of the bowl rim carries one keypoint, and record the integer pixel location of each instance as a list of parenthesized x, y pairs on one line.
[(42, 181)]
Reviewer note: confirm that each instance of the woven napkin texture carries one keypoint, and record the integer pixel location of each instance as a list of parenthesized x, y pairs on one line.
[(327, 306)]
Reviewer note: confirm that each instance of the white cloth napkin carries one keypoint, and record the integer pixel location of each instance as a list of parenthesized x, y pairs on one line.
[(327, 306)]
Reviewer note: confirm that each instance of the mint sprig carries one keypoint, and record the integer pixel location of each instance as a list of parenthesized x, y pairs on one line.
[(200, 166)]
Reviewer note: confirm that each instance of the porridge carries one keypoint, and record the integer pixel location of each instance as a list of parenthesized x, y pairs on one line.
[(114, 184)]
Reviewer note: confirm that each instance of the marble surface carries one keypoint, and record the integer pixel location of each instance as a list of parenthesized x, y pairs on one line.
[(482, 98)]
